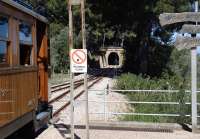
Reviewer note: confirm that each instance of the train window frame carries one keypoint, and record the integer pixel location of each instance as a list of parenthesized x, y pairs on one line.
[(23, 45), (6, 40)]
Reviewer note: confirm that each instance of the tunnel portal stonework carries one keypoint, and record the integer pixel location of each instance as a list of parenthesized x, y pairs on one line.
[(106, 59)]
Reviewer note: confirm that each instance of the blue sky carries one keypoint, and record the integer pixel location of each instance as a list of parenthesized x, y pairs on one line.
[(198, 50)]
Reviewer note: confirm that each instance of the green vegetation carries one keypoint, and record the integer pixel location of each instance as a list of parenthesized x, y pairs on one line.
[(131, 81), (59, 52), (58, 78), (175, 77)]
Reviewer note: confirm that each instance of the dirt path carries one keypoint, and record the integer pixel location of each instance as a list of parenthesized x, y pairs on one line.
[(96, 96)]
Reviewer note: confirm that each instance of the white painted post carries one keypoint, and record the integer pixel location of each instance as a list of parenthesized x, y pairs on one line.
[(194, 88), (72, 104), (85, 74), (104, 103), (194, 82)]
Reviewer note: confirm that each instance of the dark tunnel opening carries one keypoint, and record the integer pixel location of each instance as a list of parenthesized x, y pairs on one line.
[(113, 59)]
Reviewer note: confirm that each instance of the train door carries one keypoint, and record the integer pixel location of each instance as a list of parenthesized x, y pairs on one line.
[(42, 61)]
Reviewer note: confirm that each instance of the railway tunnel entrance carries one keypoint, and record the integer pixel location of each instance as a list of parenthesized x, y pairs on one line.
[(113, 59)]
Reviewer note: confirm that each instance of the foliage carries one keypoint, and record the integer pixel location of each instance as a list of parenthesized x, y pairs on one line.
[(55, 29), (58, 79), (139, 82), (136, 24), (59, 52), (133, 82)]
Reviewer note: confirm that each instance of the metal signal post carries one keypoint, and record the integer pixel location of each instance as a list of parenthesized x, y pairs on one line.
[(70, 40), (85, 74), (80, 3)]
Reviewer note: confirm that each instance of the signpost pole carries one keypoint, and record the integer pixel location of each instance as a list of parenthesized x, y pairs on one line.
[(85, 74), (185, 43), (194, 88), (71, 74), (194, 82)]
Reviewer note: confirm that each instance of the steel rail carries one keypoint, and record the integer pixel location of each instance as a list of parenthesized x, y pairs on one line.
[(76, 97), (59, 87), (68, 91)]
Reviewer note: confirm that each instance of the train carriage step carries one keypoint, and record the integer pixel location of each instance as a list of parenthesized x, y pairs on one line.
[(42, 120)]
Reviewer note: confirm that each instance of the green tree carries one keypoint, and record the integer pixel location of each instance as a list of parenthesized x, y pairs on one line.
[(60, 52)]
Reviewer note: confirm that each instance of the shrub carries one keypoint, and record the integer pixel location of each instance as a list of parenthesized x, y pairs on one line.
[(134, 82)]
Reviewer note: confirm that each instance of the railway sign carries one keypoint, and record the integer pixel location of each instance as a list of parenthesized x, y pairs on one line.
[(78, 60), (183, 42), (192, 29), (172, 18), (188, 43)]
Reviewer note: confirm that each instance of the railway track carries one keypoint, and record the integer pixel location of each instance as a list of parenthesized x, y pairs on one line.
[(77, 84), (56, 113), (92, 80), (56, 88)]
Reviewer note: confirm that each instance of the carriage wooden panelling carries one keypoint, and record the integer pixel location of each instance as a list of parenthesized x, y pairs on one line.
[(18, 93), (23, 85)]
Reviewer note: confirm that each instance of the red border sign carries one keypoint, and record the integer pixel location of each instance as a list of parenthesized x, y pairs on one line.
[(79, 56)]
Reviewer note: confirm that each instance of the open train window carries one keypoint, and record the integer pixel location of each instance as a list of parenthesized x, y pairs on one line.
[(25, 55), (3, 40), (25, 44), (3, 52)]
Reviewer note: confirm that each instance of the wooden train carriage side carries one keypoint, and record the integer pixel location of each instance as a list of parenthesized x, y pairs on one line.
[(18, 93), (23, 65)]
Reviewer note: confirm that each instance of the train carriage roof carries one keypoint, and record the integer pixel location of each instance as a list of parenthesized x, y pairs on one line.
[(26, 10)]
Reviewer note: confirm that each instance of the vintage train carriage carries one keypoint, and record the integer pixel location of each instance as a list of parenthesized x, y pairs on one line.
[(23, 66)]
